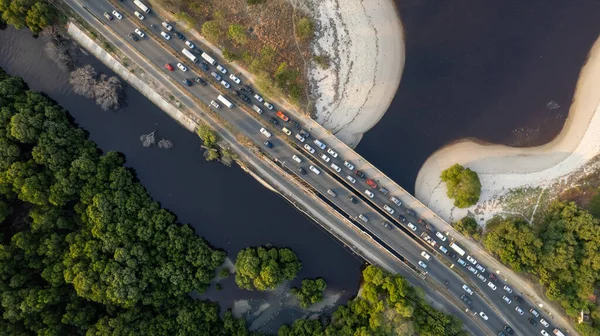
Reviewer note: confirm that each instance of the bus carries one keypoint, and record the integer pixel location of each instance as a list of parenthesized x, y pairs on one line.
[(189, 55), (457, 249), (208, 58), (225, 101), (142, 6)]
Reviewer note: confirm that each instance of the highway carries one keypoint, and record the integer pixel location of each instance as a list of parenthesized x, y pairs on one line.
[(398, 238)]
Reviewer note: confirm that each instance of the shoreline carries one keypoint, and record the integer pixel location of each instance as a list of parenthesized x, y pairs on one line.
[(502, 168), (364, 42)]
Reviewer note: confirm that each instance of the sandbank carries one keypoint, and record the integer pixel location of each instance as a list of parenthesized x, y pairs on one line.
[(364, 41), (502, 168)]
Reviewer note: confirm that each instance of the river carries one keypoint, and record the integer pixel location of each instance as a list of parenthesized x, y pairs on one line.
[(499, 71), (224, 205)]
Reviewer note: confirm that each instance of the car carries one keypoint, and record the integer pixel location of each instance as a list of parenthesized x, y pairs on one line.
[(519, 310), (371, 183), (369, 193), (352, 199), (422, 264), (363, 218), (452, 254), (296, 125), (493, 277), (169, 67), (296, 158), (320, 144), (360, 174), (386, 225), (462, 262), (235, 78), (214, 104), (518, 299), (534, 312), (440, 236), (268, 144), (221, 68), (268, 105), (472, 270), (139, 32), (245, 98), (274, 121), (286, 131), (388, 209), (325, 158), (481, 277), (179, 35), (216, 75), (544, 332), (466, 299), (443, 249), (483, 316), (480, 268), (248, 89), (301, 171), (395, 200), (349, 165), (410, 212), (509, 330), (492, 285), (471, 260), (508, 289), (190, 44), (402, 218), (204, 66), (225, 84), (187, 82), (384, 191), (138, 15), (117, 15), (200, 81), (309, 149), (133, 37), (182, 67), (165, 35), (467, 289), (314, 170), (259, 98), (265, 132), (336, 168), (544, 323), (425, 255), (331, 192), (501, 333), (351, 179), (107, 16), (332, 152), (167, 26), (532, 321), (506, 299), (305, 134), (411, 226)]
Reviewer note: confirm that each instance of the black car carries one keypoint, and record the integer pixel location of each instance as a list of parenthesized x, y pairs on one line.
[(301, 171), (273, 121), (268, 144), (501, 333), (248, 89), (360, 174), (352, 199), (519, 299), (296, 125), (465, 299), (305, 134), (402, 218), (243, 89), (204, 66), (200, 81), (451, 254), (532, 321), (187, 82), (133, 37), (509, 330), (410, 212), (180, 35), (244, 98), (493, 277)]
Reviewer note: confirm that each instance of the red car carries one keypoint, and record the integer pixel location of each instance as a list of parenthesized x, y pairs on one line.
[(371, 183), (169, 66)]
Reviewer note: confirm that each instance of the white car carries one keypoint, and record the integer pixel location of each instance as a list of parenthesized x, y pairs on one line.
[(117, 14), (314, 170), (351, 179), (332, 152), (268, 105), (441, 236), (222, 69), (349, 165), (325, 158), (472, 270), (369, 193), (506, 299), (235, 79), (182, 67), (519, 310), (139, 32), (467, 289), (483, 316), (309, 149), (544, 323), (492, 286), (138, 15), (508, 289), (545, 333), (425, 255), (259, 98), (167, 26), (190, 44), (422, 264), (396, 201), (296, 158), (214, 104), (320, 144), (388, 209), (412, 226), (286, 131), (300, 137), (336, 168), (165, 35), (265, 132), (471, 260), (225, 84)]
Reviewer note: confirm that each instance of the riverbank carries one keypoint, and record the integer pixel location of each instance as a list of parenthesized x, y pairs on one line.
[(364, 42), (502, 168)]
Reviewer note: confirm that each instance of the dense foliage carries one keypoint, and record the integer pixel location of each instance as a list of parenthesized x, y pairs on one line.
[(462, 185), (564, 252), (85, 248), (310, 292), (469, 227), (388, 305), (264, 268), (33, 14)]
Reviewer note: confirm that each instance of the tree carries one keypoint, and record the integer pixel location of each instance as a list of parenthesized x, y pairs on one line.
[(212, 30), (514, 242), (106, 91), (310, 292), (58, 53), (230, 55), (462, 185), (255, 2), (237, 33), (207, 135), (148, 139), (262, 268), (39, 16), (469, 227), (304, 28), (83, 81)]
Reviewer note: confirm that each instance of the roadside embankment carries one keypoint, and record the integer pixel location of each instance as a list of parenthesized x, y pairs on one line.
[(364, 42), (502, 168)]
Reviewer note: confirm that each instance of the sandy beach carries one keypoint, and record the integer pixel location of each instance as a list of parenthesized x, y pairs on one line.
[(364, 41), (502, 169)]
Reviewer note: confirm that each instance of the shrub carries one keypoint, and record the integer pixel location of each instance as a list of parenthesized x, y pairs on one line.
[(230, 55), (304, 28), (322, 61), (237, 33), (462, 185), (212, 30)]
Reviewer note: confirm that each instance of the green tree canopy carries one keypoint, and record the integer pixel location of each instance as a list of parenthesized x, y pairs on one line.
[(264, 268), (310, 292), (469, 227), (462, 185)]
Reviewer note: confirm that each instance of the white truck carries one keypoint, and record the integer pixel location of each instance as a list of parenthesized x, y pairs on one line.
[(458, 249), (208, 58), (142, 6), (189, 55), (225, 101)]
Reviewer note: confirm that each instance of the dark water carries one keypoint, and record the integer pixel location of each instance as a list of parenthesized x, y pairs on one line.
[(225, 205), (483, 69)]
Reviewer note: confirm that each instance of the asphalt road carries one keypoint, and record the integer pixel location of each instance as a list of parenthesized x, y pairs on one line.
[(394, 238)]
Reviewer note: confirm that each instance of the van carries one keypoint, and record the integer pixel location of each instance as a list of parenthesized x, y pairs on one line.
[(331, 192), (256, 109)]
